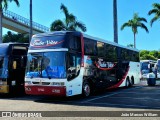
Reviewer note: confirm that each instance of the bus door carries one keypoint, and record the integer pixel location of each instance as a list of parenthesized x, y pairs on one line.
[(17, 73), (73, 74)]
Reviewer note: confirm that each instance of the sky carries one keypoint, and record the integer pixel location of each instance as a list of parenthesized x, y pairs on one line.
[(97, 15)]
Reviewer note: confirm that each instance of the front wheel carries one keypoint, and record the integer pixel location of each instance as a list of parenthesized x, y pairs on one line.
[(86, 89)]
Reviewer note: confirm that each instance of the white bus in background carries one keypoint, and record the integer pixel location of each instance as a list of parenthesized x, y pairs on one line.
[(145, 67), (158, 68)]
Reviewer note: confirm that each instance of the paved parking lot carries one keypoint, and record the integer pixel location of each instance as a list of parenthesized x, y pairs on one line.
[(137, 98), (140, 96)]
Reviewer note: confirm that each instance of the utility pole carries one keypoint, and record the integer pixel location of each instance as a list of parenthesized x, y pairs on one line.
[(31, 32), (115, 24)]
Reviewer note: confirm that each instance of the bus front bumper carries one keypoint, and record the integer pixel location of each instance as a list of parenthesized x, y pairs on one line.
[(46, 90)]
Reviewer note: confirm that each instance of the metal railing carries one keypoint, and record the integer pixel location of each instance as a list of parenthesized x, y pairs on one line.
[(24, 21)]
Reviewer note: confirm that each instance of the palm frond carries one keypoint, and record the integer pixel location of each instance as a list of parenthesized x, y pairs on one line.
[(141, 19), (143, 27), (71, 18), (154, 19), (65, 10), (127, 24), (4, 3), (57, 25), (17, 2), (81, 26), (156, 5), (153, 11)]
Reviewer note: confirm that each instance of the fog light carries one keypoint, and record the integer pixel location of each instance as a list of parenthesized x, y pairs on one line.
[(27, 89), (28, 82)]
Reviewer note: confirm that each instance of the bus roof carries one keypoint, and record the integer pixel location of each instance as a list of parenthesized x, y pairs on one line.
[(84, 35), (5, 46), (109, 42), (148, 61)]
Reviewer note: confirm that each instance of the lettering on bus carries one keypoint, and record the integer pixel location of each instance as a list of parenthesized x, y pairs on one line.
[(45, 43)]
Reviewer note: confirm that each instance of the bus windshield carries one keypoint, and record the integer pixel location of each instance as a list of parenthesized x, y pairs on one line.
[(1, 65), (144, 67), (46, 65)]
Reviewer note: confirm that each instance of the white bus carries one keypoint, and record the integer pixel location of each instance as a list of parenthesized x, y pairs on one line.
[(158, 68), (78, 64), (147, 66)]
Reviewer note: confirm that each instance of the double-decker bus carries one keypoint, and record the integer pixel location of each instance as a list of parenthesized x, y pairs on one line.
[(13, 58), (69, 63)]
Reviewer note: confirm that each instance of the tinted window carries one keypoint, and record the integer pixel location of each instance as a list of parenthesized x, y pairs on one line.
[(90, 47), (100, 49), (135, 56), (126, 54), (75, 43), (111, 52)]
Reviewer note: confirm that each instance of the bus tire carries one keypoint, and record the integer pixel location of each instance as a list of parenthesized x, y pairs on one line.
[(86, 89), (132, 81), (127, 83)]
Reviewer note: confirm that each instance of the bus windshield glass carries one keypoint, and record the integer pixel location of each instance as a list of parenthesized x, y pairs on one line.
[(144, 67), (46, 65), (1, 65), (158, 62)]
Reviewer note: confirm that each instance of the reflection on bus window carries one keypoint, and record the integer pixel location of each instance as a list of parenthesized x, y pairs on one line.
[(14, 64), (1, 64), (46, 65), (74, 66)]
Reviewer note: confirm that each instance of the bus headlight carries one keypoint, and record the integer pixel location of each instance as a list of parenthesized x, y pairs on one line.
[(58, 83), (28, 82)]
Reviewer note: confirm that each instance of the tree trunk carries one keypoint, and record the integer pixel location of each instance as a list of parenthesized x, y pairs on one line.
[(31, 32), (1, 25), (134, 40), (115, 24)]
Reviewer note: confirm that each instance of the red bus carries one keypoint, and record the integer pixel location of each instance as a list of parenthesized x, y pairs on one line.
[(68, 63)]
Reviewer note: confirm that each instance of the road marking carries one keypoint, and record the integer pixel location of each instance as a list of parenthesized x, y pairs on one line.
[(107, 95), (144, 99), (142, 93), (99, 98), (141, 106)]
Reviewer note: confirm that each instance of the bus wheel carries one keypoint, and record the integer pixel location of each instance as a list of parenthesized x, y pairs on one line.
[(86, 89), (132, 81), (127, 82)]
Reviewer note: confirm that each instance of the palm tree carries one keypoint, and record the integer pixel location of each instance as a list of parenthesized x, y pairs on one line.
[(156, 12), (130, 45), (31, 31), (70, 22), (115, 24), (4, 5), (134, 24)]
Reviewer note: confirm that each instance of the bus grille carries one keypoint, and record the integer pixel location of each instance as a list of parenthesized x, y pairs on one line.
[(41, 83)]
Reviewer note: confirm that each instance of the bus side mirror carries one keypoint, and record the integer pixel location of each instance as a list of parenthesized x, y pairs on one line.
[(14, 65)]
